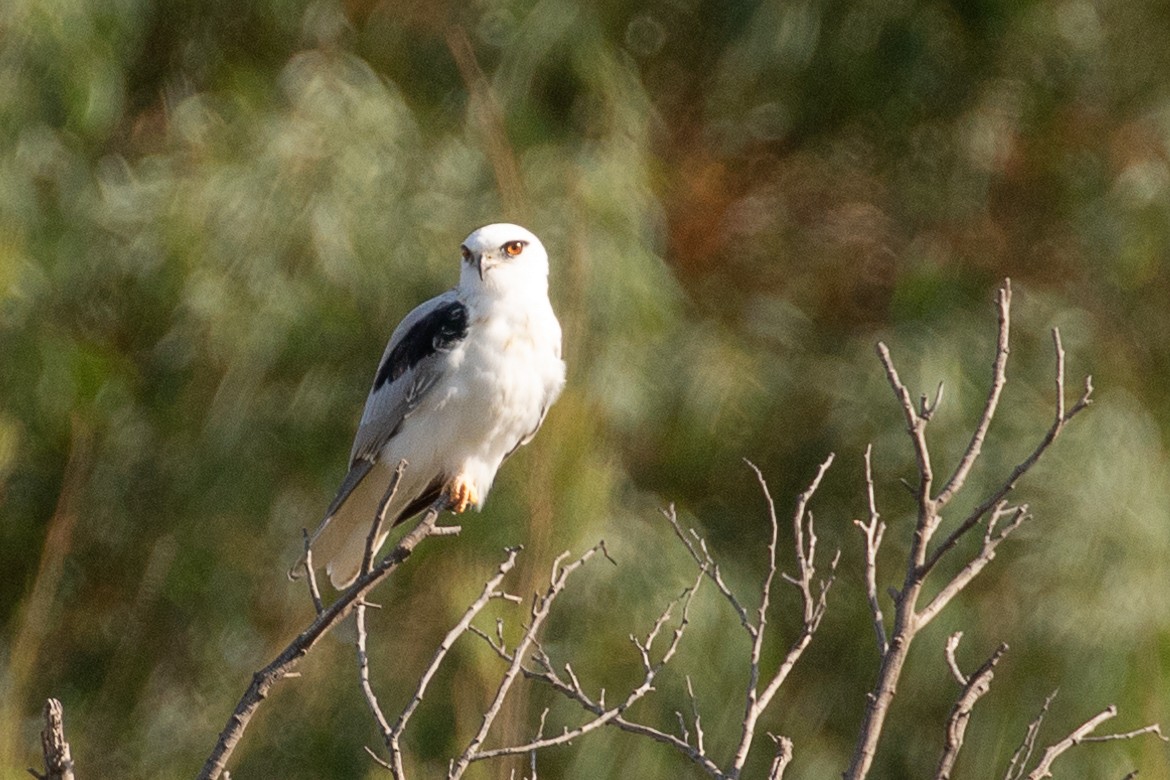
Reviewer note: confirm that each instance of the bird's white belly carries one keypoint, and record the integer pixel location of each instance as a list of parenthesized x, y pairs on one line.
[(493, 394)]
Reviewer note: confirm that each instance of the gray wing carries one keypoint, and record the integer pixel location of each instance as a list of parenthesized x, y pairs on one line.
[(531, 434), (410, 367)]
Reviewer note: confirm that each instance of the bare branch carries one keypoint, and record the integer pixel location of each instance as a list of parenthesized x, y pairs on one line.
[(805, 557), (905, 623), (700, 759), (539, 614), (447, 530), (813, 598), (539, 735), (973, 689), (752, 692), (1081, 735), (380, 519), (915, 424), (1023, 753), (927, 409), (620, 721), (683, 732), (378, 759), (58, 758), (986, 554), (314, 590), (287, 660), (701, 556), (573, 688), (998, 380), (804, 542), (698, 721), (766, 590), (1058, 347), (391, 735), (952, 664), (873, 531), (1060, 419), (782, 758), (1153, 728), (363, 660), (490, 591)]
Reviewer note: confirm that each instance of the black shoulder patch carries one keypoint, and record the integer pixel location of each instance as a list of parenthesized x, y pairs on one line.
[(438, 331)]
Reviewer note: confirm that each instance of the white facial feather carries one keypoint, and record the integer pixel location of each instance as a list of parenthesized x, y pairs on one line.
[(488, 265)]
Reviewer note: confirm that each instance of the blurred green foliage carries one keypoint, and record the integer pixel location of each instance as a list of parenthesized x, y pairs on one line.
[(212, 214)]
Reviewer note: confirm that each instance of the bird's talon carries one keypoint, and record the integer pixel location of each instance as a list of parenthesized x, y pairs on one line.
[(461, 496)]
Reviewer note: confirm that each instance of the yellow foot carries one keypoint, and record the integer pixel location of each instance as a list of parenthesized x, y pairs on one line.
[(461, 494)]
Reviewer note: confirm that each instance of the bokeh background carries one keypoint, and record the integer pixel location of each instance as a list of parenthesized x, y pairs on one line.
[(213, 213)]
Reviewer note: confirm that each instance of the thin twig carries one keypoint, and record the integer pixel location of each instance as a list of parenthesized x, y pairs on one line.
[(1153, 728), (314, 589), (380, 519), (952, 664), (572, 689), (539, 735), (363, 661), (873, 530), (915, 423), (991, 540), (905, 623), (813, 599), (1023, 754), (998, 380), (701, 556), (696, 718), (766, 590)]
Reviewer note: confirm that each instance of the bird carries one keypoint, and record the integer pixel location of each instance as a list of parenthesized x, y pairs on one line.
[(466, 379)]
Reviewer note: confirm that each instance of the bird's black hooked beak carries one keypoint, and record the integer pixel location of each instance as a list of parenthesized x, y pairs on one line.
[(479, 265)]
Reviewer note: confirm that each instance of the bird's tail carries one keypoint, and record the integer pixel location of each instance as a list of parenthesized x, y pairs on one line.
[(339, 543)]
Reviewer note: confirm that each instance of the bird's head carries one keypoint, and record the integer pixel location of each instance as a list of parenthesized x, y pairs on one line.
[(504, 257)]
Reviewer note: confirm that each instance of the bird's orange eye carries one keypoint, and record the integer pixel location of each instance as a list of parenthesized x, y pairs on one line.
[(513, 248), (465, 252)]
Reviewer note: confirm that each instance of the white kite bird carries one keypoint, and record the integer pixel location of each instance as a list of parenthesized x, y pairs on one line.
[(466, 379)]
